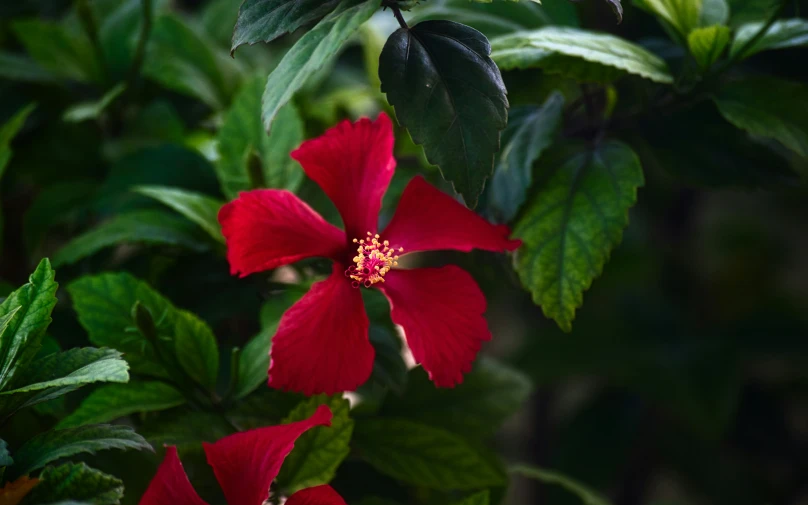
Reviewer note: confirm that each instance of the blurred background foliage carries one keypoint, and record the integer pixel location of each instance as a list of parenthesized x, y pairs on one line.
[(683, 380)]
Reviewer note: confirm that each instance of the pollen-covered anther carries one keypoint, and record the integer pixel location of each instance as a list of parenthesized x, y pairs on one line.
[(373, 259)]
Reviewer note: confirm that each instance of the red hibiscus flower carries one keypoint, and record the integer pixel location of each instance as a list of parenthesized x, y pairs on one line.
[(322, 345), (245, 464)]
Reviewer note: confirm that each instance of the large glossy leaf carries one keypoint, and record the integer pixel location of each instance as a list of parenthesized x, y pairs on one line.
[(581, 54), (201, 209), (76, 482), (55, 444), (575, 218), (196, 349), (530, 131), (489, 394), (424, 456), (586, 494), (707, 44), (311, 53), (769, 108), (149, 227), (319, 451), (66, 53), (780, 35), (266, 20), (112, 402), (248, 157), (450, 96), (32, 305)]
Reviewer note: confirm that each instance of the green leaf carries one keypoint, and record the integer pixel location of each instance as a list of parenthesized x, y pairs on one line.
[(150, 227), (481, 498), (450, 96), (769, 108), (319, 451), (76, 482), (580, 54), (32, 305), (92, 110), (56, 203), (587, 495), (55, 444), (424, 456), (530, 131), (311, 53), (244, 145), (108, 403), (708, 44), (23, 69), (780, 35), (713, 12), (196, 349), (574, 220), (488, 395), (183, 60), (682, 15), (9, 130), (266, 20), (5, 457), (750, 11), (63, 52), (201, 209), (389, 368), (185, 428)]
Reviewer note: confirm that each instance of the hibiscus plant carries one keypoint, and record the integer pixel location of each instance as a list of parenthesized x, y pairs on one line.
[(330, 252)]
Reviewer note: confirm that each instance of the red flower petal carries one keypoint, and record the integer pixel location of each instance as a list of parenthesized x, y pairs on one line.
[(428, 219), (322, 341), (353, 163), (441, 311), (170, 485), (318, 495), (267, 228), (246, 463)]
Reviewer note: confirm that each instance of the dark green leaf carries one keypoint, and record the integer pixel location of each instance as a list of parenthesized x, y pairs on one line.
[(76, 481), (450, 96), (32, 304), (389, 368), (682, 15), (311, 53), (750, 11), (55, 204), (196, 349), (66, 53), (55, 444), (266, 20), (488, 395), (708, 44), (202, 210), (319, 451), (782, 34), (580, 54), (263, 407), (770, 108), (481, 498), (574, 220), (108, 403), (242, 137), (9, 130), (185, 428), (530, 131), (92, 110), (23, 69), (587, 495), (146, 226), (424, 456)]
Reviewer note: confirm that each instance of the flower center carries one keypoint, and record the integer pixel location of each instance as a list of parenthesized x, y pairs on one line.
[(373, 259)]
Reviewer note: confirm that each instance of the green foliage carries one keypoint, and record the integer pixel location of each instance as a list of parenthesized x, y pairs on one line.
[(8, 131), (421, 455), (682, 15), (780, 35), (587, 496), (248, 157), (114, 401), (146, 226), (770, 108), (266, 20), (196, 349), (58, 49), (579, 54), (199, 208), (92, 110), (56, 444), (707, 44), (316, 49), (76, 481), (575, 219), (318, 452), (456, 119)]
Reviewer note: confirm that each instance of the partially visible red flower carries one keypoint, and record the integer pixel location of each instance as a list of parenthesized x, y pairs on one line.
[(245, 464), (321, 345)]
